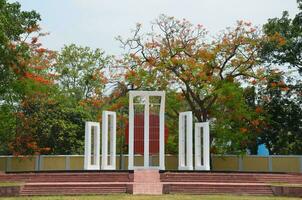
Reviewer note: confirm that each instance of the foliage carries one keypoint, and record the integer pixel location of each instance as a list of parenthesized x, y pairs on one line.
[(280, 98), (236, 124), (15, 27), (282, 104), (32, 78), (46, 96), (23, 64), (7, 127), (208, 74), (51, 125), (81, 72), (287, 50), (51, 115)]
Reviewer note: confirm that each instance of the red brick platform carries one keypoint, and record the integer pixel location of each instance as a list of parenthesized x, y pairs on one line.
[(245, 183), (148, 182), (71, 183)]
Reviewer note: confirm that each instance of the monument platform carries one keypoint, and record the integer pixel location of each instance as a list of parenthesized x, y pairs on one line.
[(148, 182)]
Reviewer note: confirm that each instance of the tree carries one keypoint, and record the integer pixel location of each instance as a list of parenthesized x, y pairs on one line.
[(178, 56), (286, 45), (15, 27), (280, 98), (81, 72), (50, 124), (7, 127), (281, 102), (23, 65), (182, 58), (35, 80)]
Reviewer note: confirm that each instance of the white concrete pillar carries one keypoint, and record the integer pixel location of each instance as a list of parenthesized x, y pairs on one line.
[(108, 129), (202, 161), (131, 133), (95, 165), (162, 133), (146, 132), (146, 95), (185, 141)]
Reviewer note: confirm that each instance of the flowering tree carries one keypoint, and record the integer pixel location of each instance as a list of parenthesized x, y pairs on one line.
[(181, 57), (23, 65), (33, 80), (209, 74)]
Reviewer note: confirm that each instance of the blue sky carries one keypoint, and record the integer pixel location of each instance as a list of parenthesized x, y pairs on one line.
[(95, 23)]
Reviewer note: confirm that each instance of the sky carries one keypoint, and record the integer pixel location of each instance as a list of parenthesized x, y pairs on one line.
[(96, 23)]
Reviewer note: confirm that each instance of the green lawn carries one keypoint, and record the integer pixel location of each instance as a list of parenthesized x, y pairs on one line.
[(4, 184), (143, 197), (286, 184)]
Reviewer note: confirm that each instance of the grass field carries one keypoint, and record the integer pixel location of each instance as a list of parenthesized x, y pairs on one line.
[(143, 197), (4, 184)]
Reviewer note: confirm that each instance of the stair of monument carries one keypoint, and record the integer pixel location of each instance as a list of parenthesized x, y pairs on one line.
[(231, 177), (218, 189), (32, 189), (68, 177), (147, 181)]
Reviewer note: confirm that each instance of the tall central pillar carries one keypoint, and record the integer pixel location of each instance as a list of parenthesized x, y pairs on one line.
[(145, 100)]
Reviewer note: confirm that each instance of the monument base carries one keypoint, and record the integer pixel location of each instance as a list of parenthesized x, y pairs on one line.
[(147, 181)]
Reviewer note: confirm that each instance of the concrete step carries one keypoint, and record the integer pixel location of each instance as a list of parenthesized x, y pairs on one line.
[(217, 189), (146, 176), (227, 177), (147, 181), (148, 188), (65, 177), (31, 189), (72, 192)]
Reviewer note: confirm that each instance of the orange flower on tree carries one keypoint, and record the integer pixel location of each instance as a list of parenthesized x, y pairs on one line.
[(258, 109), (243, 130)]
